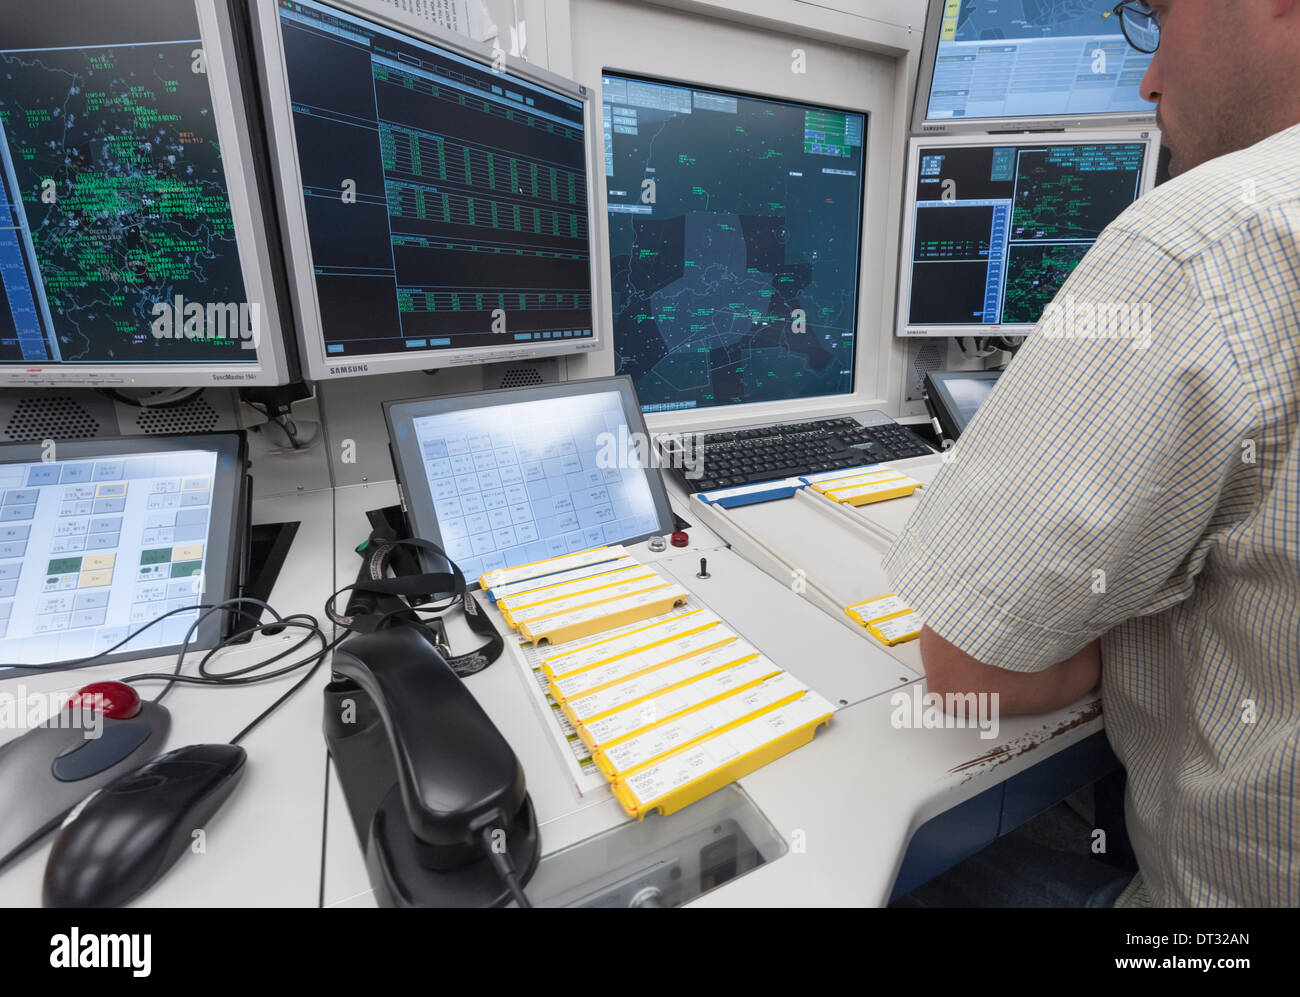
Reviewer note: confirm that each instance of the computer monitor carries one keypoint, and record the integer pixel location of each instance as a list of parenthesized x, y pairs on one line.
[(504, 478), (435, 197), (993, 227), (954, 396), (132, 245), (101, 538), (735, 227), (1027, 64)]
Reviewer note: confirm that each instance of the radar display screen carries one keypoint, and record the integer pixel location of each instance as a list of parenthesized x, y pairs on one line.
[(734, 231), (117, 243), (999, 228)]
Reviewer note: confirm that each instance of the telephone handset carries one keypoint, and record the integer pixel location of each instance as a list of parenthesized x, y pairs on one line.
[(450, 823), (436, 794)]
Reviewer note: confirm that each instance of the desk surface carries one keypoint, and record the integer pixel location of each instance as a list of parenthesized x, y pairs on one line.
[(263, 848), (853, 797)]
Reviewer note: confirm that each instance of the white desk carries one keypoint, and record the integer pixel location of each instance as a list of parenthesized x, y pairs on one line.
[(857, 793), (263, 848)]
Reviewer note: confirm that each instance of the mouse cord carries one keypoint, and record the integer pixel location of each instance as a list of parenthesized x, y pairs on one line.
[(321, 655), (503, 863), (241, 676), (254, 672)]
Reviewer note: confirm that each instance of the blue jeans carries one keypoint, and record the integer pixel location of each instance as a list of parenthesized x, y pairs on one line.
[(1019, 871)]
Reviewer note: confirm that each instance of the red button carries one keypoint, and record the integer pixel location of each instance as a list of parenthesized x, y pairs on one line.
[(680, 539), (116, 700)]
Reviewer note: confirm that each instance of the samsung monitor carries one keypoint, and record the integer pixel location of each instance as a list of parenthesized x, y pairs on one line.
[(435, 194), (992, 65), (133, 250), (993, 227)]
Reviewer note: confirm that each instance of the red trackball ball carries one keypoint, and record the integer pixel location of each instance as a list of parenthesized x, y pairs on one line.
[(116, 700)]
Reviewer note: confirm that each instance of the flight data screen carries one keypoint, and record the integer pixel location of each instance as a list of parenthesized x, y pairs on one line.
[(734, 242), (91, 550), (1034, 58), (967, 394), (998, 229), (446, 203), (117, 244), (521, 482)]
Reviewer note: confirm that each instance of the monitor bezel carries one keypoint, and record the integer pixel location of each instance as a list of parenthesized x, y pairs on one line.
[(230, 495), (943, 405), (923, 126), (274, 81), (904, 328), (768, 410), (413, 486), (248, 205)]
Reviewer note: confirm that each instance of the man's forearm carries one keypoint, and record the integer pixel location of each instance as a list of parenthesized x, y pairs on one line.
[(948, 669)]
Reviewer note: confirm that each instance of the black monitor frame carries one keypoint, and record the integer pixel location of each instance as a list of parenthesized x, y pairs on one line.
[(229, 523), (943, 407), (408, 464)]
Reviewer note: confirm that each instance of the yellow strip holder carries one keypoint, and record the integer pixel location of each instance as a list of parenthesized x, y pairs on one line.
[(670, 704), (878, 491), (621, 613), (669, 784), (888, 619), (699, 725)]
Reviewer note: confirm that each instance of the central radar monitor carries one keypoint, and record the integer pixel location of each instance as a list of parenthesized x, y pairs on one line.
[(436, 200), (734, 241), (992, 229), (992, 64), (504, 478), (132, 246)]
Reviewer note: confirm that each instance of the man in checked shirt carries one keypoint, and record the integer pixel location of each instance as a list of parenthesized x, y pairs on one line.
[(1129, 512)]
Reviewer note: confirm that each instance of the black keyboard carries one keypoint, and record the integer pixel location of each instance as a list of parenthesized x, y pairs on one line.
[(769, 453)]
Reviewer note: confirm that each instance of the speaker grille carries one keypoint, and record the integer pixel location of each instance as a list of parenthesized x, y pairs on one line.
[(195, 416), (520, 377), (924, 355), (50, 417)]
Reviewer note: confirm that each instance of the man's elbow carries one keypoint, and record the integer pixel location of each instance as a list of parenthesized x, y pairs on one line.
[(949, 671), (953, 674)]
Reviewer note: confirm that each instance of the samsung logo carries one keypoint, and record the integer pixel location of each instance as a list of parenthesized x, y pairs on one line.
[(356, 368)]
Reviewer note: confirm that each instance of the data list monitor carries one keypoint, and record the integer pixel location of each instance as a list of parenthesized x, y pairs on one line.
[(1027, 64), (992, 228), (504, 478), (436, 196), (954, 396), (132, 244), (107, 547), (734, 243)]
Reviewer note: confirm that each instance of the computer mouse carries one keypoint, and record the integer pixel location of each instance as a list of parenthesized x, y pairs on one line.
[(125, 837)]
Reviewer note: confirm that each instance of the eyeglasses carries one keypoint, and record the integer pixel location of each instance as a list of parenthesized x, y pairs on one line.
[(1141, 25)]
